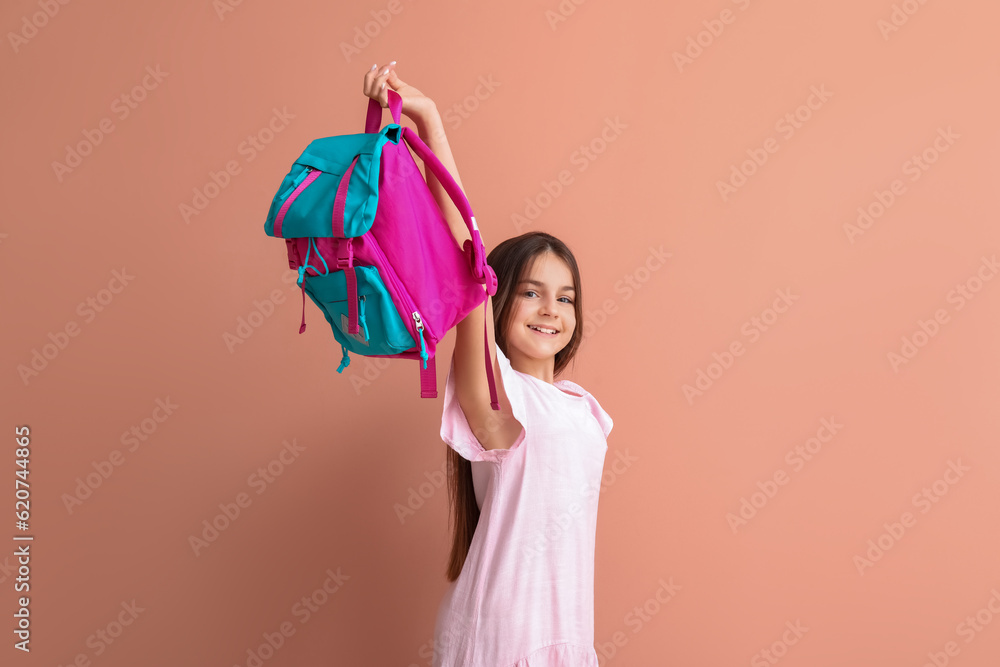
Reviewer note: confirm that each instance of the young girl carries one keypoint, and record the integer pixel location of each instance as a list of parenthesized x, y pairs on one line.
[(523, 481)]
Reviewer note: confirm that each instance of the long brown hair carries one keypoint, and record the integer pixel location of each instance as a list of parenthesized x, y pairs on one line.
[(512, 261)]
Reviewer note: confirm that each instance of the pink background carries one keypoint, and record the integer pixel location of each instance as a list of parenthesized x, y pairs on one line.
[(531, 90)]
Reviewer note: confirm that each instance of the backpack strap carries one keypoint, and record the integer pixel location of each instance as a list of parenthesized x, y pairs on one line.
[(428, 380), (302, 328), (341, 199), (345, 262), (302, 276), (345, 252), (374, 118), (489, 362)]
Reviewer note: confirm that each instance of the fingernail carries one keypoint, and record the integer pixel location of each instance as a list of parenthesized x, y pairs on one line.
[(393, 62), (373, 67), (385, 71), (383, 86)]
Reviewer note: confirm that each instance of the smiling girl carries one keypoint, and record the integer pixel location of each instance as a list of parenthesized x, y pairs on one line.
[(523, 481)]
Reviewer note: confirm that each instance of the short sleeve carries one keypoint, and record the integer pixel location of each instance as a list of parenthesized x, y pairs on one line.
[(455, 429), (602, 417)]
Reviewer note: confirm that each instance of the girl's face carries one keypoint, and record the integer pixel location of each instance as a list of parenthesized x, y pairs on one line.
[(544, 300)]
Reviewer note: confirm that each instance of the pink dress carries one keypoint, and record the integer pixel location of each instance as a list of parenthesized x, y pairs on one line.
[(525, 596)]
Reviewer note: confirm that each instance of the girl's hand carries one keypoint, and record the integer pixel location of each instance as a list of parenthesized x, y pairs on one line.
[(416, 105)]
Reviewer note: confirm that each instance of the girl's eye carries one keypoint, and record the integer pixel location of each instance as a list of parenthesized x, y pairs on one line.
[(531, 291)]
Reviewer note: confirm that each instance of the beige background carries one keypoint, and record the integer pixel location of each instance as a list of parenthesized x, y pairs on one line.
[(677, 467)]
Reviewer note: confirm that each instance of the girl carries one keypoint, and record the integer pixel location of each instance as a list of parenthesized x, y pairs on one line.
[(524, 481)]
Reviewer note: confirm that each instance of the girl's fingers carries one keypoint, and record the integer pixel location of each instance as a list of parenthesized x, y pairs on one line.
[(369, 79), (383, 74), (376, 80)]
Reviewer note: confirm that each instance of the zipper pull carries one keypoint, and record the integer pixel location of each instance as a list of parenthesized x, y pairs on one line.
[(420, 335), (298, 180), (361, 316)]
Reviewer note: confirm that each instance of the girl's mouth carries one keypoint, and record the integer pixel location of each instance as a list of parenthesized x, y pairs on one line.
[(543, 331)]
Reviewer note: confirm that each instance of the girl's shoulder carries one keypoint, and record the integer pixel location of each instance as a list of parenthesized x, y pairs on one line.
[(520, 386), (572, 388)]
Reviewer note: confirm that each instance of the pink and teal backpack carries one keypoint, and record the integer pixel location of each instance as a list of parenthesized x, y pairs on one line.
[(372, 248)]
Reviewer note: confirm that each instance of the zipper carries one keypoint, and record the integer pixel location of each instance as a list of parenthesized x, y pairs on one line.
[(295, 183), (303, 184), (418, 328)]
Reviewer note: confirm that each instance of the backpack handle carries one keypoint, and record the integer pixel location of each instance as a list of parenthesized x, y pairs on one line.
[(374, 118)]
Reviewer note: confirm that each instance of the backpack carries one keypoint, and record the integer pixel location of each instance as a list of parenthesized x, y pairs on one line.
[(372, 248)]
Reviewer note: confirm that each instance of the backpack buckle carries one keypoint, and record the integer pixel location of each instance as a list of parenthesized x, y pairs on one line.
[(345, 258)]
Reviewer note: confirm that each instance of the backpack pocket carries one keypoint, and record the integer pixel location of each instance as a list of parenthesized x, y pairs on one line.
[(383, 331)]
